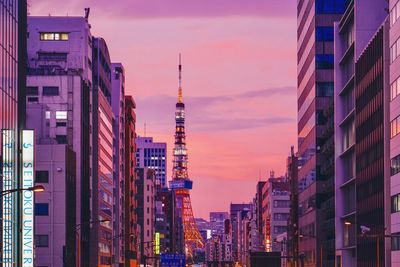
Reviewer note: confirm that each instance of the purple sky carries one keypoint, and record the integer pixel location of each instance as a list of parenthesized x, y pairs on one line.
[(239, 80)]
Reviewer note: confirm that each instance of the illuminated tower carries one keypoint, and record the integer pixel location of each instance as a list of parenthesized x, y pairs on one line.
[(181, 184)]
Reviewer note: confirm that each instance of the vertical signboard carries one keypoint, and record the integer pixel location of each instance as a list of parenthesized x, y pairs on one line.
[(8, 179), (157, 245), (27, 197)]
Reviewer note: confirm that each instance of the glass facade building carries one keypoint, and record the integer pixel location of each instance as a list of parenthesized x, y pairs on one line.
[(12, 114), (315, 80)]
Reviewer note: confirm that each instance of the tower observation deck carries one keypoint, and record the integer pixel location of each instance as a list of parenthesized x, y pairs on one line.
[(181, 184)]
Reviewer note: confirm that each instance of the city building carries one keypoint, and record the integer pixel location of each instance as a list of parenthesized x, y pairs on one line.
[(352, 35), (13, 21), (55, 208), (236, 222), (315, 82), (292, 230), (217, 222), (119, 178), (152, 155), (276, 208), (102, 196), (58, 97), (146, 191), (259, 212), (394, 37), (132, 229)]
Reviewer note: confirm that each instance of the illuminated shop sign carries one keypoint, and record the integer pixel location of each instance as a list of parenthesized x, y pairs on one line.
[(27, 197), (157, 243), (8, 179)]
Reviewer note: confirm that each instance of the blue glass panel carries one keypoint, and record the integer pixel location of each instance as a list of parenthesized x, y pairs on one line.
[(324, 61), (324, 34), (41, 209), (331, 6)]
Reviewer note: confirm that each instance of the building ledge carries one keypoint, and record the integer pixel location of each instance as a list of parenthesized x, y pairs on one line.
[(347, 53), (346, 17), (347, 86), (350, 214), (348, 182), (348, 117), (347, 151)]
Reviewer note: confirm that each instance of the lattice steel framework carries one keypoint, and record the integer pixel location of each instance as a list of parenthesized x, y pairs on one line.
[(180, 177)]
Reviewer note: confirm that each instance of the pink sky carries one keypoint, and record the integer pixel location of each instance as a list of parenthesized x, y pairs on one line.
[(239, 78)]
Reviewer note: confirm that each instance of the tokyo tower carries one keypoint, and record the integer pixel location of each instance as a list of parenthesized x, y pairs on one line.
[(181, 184)]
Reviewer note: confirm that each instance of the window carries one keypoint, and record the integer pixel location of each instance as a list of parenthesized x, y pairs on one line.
[(50, 90), (324, 34), (395, 207), (281, 216), (42, 177), (61, 139), (52, 56), (61, 124), (32, 90), (42, 241), (33, 99), (395, 88), (324, 61), (281, 203), (61, 115), (395, 13), (279, 229), (396, 242), (324, 89), (48, 115), (41, 209), (394, 127), (54, 36), (331, 6), (395, 165)]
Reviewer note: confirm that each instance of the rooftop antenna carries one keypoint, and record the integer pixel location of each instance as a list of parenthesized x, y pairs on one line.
[(180, 95), (145, 129), (87, 12)]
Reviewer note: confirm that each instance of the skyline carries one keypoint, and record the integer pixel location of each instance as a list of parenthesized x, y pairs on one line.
[(243, 70)]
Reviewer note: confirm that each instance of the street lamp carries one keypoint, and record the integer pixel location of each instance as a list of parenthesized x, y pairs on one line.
[(36, 189)]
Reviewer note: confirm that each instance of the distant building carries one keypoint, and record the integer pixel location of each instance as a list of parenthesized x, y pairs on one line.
[(236, 211), (146, 191), (217, 220), (276, 210), (152, 155)]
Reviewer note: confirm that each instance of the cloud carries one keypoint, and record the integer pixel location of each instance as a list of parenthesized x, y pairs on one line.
[(171, 8), (209, 112)]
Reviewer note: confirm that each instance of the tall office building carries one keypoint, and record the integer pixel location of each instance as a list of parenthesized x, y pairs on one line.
[(152, 155), (217, 222), (352, 35), (12, 116), (118, 109), (394, 40), (292, 231), (315, 60), (131, 220), (102, 193), (58, 100)]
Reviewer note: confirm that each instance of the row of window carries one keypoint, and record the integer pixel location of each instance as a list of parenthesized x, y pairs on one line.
[(395, 127), (46, 91), (54, 36), (395, 89), (395, 13), (324, 89)]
